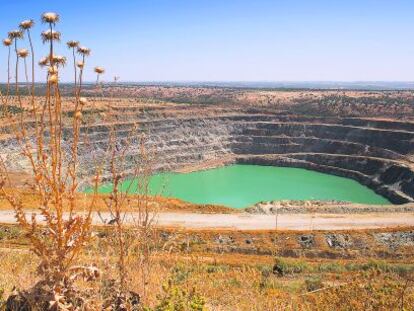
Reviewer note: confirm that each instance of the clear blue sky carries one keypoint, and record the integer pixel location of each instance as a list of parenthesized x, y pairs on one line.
[(229, 40)]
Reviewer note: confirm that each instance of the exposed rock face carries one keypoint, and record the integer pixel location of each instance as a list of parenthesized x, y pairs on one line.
[(339, 240), (306, 240), (375, 243), (396, 239), (324, 207), (375, 152)]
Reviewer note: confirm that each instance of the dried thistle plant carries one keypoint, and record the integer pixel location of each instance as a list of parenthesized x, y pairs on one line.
[(79, 64), (23, 53), (83, 52), (50, 18), (57, 234), (50, 35), (99, 71), (59, 60), (7, 43), (144, 213), (15, 35), (73, 45), (25, 26), (129, 205), (43, 61)]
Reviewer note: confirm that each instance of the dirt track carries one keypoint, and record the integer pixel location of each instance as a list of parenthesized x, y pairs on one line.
[(266, 222)]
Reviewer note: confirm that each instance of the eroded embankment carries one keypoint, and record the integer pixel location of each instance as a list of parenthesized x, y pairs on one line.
[(377, 153), (378, 243), (395, 243)]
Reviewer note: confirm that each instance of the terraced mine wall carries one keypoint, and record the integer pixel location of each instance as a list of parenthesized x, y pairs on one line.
[(375, 152)]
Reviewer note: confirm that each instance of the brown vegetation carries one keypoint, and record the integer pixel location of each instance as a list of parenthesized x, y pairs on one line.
[(237, 281)]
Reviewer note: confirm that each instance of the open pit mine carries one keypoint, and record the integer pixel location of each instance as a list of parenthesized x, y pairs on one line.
[(364, 136)]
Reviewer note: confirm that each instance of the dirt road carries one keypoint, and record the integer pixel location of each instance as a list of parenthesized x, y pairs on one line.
[(266, 222)]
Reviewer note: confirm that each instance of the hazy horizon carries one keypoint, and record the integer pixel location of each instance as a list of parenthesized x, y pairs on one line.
[(275, 85)]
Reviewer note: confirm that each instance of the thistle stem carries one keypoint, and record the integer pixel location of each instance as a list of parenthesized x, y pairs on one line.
[(8, 73), (26, 76), (74, 67)]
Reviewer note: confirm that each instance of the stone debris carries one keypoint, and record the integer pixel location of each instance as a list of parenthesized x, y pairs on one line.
[(395, 239), (339, 241)]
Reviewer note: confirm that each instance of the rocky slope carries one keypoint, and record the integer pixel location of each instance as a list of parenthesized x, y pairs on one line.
[(374, 152), (377, 152)]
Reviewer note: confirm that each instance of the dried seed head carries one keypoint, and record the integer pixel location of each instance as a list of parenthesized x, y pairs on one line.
[(99, 70), (72, 44), (50, 17), (53, 79), (59, 60), (83, 101), (49, 35), (26, 24), (15, 34), (80, 64), (43, 61), (23, 53), (78, 115), (84, 51), (7, 42)]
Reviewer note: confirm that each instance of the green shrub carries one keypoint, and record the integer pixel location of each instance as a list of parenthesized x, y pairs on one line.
[(331, 267), (180, 273), (177, 299), (216, 268), (233, 282), (265, 270), (383, 266), (9, 233), (283, 266)]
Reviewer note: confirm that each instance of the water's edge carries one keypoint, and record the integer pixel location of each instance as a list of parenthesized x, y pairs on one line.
[(242, 185)]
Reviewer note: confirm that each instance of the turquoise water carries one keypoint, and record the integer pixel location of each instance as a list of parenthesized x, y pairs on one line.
[(240, 186)]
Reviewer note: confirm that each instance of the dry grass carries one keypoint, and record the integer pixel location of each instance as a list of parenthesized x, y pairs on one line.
[(246, 282), (235, 281), (31, 200)]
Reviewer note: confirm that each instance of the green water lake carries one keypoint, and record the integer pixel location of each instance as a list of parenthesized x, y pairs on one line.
[(240, 186)]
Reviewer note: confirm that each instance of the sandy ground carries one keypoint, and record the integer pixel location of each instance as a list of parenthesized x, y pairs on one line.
[(266, 222)]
